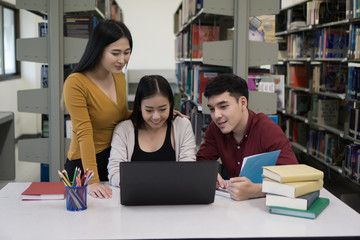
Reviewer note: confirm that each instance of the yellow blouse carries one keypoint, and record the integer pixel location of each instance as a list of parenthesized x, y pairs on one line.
[(94, 116)]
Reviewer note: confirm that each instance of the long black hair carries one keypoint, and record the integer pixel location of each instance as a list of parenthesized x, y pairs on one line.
[(148, 87), (104, 34)]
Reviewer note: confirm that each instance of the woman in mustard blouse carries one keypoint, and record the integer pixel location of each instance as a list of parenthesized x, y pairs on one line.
[(95, 97)]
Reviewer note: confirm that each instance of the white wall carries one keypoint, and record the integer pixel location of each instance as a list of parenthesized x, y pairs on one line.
[(25, 123), (151, 25)]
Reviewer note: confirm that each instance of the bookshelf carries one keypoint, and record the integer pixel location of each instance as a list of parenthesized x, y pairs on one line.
[(7, 146), (54, 50), (327, 61), (233, 51)]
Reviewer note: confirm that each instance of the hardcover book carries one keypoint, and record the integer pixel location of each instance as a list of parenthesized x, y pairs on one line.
[(292, 173), (44, 191), (315, 209), (302, 203), (298, 76), (291, 189)]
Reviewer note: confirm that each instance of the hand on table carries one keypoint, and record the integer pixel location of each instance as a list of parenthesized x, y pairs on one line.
[(241, 188), (99, 190)]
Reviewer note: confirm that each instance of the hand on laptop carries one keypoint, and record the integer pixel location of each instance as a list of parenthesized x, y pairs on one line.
[(99, 190), (241, 188)]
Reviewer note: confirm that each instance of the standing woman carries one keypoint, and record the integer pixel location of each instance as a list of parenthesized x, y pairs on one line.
[(95, 97)]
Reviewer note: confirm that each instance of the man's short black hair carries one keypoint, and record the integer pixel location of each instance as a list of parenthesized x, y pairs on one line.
[(230, 83)]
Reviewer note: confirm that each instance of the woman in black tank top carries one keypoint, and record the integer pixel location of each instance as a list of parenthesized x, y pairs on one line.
[(152, 119)]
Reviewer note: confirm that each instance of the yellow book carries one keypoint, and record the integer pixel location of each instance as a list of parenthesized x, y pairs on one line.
[(292, 189), (292, 173)]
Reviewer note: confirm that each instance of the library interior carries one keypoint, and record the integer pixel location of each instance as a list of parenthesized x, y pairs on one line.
[(301, 61)]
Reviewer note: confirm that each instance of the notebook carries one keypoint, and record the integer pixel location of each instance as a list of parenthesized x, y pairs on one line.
[(168, 183)]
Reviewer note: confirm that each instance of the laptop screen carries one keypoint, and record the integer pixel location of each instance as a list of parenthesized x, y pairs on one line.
[(168, 183)]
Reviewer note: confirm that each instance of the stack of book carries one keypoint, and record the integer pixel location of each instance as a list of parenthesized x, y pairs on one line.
[(294, 190)]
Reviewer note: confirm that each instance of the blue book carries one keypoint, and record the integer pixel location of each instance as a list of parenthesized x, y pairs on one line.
[(252, 165)]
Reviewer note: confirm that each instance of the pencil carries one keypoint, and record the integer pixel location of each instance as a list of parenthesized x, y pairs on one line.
[(73, 181)]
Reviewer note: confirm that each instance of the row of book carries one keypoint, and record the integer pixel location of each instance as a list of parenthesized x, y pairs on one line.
[(354, 42), (352, 162), (326, 77), (190, 44), (299, 45), (331, 43), (312, 13), (193, 78), (294, 190), (297, 131), (325, 111), (353, 83), (298, 103), (327, 147), (330, 77), (354, 123), (188, 9), (75, 25), (321, 12)]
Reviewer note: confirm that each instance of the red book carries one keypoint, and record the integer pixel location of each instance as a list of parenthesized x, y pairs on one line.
[(204, 78), (44, 191), (201, 34), (298, 76)]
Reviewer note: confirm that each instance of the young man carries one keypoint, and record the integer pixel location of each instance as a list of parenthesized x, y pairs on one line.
[(237, 132)]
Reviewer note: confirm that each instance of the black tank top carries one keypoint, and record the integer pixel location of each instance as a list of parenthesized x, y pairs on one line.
[(165, 153)]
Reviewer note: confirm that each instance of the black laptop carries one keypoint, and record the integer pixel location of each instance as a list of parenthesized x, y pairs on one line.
[(168, 183)]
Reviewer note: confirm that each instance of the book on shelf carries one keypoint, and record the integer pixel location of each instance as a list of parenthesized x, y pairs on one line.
[(201, 34), (331, 43), (300, 45), (79, 25), (291, 189), (252, 165), (43, 29), (44, 191), (202, 76), (269, 83), (313, 212), (298, 76), (302, 203), (299, 102), (334, 77), (44, 76), (262, 28), (299, 132), (354, 122), (328, 112), (292, 173)]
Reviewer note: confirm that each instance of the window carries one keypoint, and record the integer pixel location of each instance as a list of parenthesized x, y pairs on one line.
[(9, 67)]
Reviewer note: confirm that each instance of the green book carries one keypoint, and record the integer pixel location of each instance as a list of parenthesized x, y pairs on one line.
[(314, 210)]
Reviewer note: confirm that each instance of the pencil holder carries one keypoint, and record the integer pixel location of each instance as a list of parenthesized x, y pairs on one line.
[(76, 198)]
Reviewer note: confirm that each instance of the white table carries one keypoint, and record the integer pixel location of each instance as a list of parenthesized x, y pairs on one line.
[(107, 219)]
